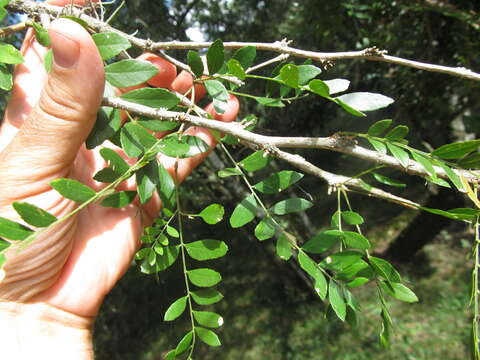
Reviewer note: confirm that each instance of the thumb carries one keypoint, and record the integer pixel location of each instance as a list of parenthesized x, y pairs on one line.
[(51, 136)]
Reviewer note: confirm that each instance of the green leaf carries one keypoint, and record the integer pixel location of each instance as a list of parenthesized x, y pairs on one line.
[(399, 291), (48, 61), (289, 75), (283, 248), (184, 344), (454, 178), (278, 182), (219, 94), (456, 150), (110, 44), (336, 300), (9, 54), (3, 261), (336, 220), (244, 212), (291, 205), (143, 253), (236, 69), (215, 57), (206, 296), (319, 87), (341, 261), (6, 79), (352, 218), (172, 232), (129, 72), (195, 62), (265, 229), (106, 175), (306, 73), (397, 133), (216, 90), (166, 187), (359, 281), (163, 262), (245, 56), (41, 34), (455, 214), (388, 181), (73, 190), (229, 172), (176, 309), (355, 240), (320, 243), (3, 13), (348, 108), (337, 85), (378, 145), (379, 127), (208, 319), (471, 161), (212, 214), (311, 268), (158, 125), (386, 329), (186, 146), (204, 277), (365, 101), (119, 199), (152, 97), (425, 162), (207, 336), (33, 215), (135, 139), (170, 355), (12, 230), (4, 245), (79, 21), (115, 161), (206, 249), (399, 154), (385, 269), (266, 101), (147, 180), (107, 124)]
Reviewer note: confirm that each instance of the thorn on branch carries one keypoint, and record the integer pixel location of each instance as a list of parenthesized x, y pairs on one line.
[(374, 51), (328, 64)]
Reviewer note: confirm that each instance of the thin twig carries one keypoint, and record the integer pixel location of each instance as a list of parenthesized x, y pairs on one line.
[(372, 54), (337, 143), (9, 30)]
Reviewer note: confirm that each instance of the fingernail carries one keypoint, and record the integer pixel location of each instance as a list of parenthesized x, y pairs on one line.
[(65, 51)]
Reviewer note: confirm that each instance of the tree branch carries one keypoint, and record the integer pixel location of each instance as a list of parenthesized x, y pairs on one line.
[(445, 8), (372, 54), (335, 143)]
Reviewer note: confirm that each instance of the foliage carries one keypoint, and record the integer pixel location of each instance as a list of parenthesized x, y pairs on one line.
[(335, 260)]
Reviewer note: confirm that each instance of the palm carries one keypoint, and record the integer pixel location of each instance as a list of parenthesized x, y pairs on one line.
[(102, 240)]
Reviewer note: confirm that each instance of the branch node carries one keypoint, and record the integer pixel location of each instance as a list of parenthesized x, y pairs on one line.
[(149, 44)]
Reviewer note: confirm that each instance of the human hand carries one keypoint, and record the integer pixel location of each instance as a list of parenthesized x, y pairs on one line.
[(48, 118)]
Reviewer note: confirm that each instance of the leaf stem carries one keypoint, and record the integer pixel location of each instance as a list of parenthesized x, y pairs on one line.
[(184, 266)]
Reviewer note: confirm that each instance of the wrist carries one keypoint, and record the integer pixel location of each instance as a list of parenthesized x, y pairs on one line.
[(41, 331)]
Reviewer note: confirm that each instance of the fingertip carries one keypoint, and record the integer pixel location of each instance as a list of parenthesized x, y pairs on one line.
[(183, 82), (167, 72), (233, 106)]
